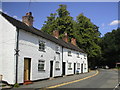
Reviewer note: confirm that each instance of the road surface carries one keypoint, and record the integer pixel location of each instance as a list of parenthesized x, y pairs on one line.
[(106, 78)]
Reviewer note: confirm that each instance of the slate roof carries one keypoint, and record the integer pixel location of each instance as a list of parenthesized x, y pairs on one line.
[(35, 31)]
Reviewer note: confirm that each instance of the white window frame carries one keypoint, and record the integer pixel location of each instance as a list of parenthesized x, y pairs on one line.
[(57, 49), (69, 66), (57, 65), (78, 55), (41, 48), (69, 53), (41, 62), (78, 65)]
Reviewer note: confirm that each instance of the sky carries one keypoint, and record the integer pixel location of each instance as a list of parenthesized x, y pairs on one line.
[(102, 14)]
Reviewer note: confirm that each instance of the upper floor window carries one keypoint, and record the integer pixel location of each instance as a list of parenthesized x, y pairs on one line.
[(69, 53), (78, 55), (41, 65), (85, 56), (41, 45), (57, 49)]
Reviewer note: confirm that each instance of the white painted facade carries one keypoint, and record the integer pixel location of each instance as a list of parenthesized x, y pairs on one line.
[(75, 59), (29, 48), (7, 46)]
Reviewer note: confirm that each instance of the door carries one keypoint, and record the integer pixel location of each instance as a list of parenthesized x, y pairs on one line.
[(27, 65), (74, 68), (63, 69), (51, 68), (81, 68)]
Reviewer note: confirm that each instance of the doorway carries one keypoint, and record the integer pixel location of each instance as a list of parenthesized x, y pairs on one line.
[(27, 66), (51, 68), (63, 69), (74, 68), (81, 68)]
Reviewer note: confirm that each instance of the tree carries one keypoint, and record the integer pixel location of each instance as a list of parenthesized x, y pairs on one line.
[(82, 29), (111, 48), (50, 24), (88, 38)]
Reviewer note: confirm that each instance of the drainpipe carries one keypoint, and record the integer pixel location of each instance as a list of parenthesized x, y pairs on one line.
[(62, 60), (17, 54)]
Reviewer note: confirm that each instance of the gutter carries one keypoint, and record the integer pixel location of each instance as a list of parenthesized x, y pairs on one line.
[(17, 54)]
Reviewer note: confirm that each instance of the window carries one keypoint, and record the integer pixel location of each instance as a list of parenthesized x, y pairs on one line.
[(41, 46), (57, 49), (57, 65), (69, 66), (69, 53), (85, 66), (41, 65), (78, 55), (78, 65), (85, 56)]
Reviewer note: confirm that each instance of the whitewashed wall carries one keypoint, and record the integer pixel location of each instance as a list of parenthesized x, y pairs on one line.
[(74, 59), (28, 46), (7, 46)]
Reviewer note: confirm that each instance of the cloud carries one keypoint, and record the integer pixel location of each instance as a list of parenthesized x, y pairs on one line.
[(15, 17), (115, 22)]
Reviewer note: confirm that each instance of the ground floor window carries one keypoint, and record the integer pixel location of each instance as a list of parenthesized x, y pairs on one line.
[(78, 65), (41, 65), (85, 66), (69, 66), (57, 65)]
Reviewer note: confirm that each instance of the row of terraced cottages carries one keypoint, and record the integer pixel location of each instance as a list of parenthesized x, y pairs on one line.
[(27, 53)]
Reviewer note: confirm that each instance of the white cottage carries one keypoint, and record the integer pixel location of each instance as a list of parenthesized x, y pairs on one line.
[(28, 54)]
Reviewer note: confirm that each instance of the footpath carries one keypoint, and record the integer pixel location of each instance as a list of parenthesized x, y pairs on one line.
[(52, 83)]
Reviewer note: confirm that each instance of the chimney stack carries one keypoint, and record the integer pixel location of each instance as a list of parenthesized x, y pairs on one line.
[(65, 37), (28, 19), (56, 34), (73, 41)]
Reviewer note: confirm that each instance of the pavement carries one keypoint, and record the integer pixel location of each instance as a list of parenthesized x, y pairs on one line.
[(103, 79), (57, 81)]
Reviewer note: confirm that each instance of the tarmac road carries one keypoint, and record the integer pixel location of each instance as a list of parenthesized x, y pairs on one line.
[(107, 78)]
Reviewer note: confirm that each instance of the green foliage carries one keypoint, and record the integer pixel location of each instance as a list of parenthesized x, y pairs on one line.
[(111, 48), (85, 32), (16, 85)]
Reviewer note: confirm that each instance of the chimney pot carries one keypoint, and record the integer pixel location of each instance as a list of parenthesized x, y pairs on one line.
[(56, 34), (65, 37), (28, 19), (73, 41)]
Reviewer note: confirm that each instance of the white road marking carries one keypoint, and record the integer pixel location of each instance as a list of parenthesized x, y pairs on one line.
[(116, 86)]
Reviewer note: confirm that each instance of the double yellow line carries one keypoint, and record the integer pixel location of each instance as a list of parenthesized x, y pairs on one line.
[(74, 81)]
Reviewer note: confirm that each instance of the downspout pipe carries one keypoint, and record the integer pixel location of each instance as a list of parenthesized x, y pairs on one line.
[(17, 54), (62, 60)]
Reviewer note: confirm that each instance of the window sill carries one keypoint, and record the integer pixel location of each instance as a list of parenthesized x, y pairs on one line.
[(57, 52), (41, 70), (69, 68), (42, 50), (57, 69)]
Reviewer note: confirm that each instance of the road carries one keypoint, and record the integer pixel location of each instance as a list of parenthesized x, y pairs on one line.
[(106, 78)]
